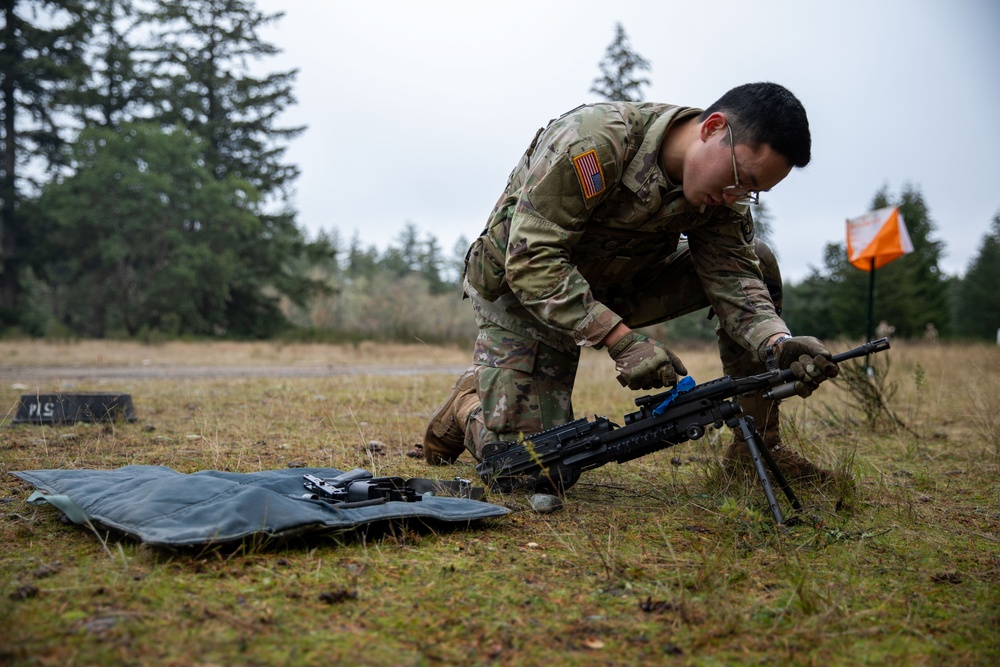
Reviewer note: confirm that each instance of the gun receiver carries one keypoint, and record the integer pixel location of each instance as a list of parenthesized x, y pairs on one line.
[(358, 487), (554, 458)]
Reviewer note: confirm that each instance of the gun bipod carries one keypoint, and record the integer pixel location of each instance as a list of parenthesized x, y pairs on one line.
[(760, 456)]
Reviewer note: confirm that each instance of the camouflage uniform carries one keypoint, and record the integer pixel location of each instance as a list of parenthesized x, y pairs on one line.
[(590, 232)]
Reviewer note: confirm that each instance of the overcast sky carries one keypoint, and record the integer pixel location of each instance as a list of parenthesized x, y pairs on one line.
[(418, 110)]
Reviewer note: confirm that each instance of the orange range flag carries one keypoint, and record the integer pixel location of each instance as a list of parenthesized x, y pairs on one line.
[(877, 238)]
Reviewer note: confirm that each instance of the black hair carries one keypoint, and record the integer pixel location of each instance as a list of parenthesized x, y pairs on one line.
[(767, 113)]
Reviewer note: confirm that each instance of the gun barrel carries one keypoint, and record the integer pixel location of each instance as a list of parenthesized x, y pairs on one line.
[(861, 350), (870, 347), (787, 387)]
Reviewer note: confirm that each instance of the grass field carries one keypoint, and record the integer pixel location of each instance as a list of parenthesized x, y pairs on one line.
[(662, 560)]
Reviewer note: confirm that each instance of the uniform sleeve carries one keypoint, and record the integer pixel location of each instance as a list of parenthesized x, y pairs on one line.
[(727, 266), (579, 160)]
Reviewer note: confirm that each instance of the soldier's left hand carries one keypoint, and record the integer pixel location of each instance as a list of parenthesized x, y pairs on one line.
[(808, 359)]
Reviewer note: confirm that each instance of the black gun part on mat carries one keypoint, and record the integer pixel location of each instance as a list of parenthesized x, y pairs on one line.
[(358, 488)]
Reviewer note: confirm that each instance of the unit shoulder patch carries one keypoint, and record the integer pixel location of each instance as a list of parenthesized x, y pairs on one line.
[(588, 168), (747, 228)]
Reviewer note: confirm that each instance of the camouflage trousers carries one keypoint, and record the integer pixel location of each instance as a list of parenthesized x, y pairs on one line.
[(525, 378)]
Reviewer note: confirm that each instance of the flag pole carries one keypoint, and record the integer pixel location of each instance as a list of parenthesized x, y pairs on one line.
[(871, 309)]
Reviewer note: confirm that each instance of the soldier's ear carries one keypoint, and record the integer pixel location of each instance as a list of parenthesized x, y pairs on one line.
[(714, 123)]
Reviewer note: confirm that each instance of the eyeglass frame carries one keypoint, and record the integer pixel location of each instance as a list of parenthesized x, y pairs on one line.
[(743, 195)]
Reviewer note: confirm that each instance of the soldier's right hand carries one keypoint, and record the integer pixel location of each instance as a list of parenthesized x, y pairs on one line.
[(808, 359), (643, 363)]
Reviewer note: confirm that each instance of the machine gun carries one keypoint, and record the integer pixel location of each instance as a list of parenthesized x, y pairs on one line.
[(555, 458)]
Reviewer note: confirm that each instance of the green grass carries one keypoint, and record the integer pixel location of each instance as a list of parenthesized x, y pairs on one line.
[(648, 563)]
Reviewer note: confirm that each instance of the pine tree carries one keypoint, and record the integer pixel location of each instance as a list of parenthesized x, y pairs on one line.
[(362, 261), (431, 263), (202, 54), (619, 66), (978, 299), (147, 239), (40, 59), (909, 292), (116, 89), (763, 224), (455, 264)]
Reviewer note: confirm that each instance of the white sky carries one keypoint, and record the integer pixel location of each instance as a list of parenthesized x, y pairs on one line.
[(418, 111)]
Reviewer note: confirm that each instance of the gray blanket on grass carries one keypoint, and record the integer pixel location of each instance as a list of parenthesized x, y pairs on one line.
[(161, 506)]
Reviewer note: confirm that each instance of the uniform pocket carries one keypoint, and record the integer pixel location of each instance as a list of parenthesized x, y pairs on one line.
[(496, 348), (507, 389), (485, 269)]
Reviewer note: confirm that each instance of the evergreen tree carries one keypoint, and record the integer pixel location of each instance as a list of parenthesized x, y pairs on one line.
[(431, 263), (763, 225), (912, 291), (807, 306), (116, 89), (403, 257), (146, 238), (411, 255), (619, 68), (40, 59), (829, 304), (909, 292), (202, 54), (362, 262), (978, 299), (455, 265)]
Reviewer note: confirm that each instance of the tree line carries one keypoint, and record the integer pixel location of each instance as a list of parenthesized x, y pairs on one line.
[(144, 193), (144, 185), (912, 294)]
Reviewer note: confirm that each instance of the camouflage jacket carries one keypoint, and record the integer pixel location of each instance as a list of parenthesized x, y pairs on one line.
[(588, 209)]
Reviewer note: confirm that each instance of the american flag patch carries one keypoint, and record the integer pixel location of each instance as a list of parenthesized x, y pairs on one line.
[(589, 170)]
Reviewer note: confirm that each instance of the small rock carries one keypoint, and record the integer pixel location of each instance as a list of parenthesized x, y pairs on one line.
[(543, 503), (47, 570), (338, 596), (99, 626), (375, 447), (24, 593)]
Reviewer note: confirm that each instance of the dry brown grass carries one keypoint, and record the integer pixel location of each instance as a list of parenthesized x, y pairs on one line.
[(660, 560), (34, 353)]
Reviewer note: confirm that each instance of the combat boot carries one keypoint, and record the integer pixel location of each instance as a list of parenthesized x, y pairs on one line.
[(793, 465), (444, 440)]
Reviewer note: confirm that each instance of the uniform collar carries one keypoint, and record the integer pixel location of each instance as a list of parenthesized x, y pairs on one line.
[(645, 166)]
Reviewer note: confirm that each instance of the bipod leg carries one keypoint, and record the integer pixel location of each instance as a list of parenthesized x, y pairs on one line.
[(782, 482), (750, 437)]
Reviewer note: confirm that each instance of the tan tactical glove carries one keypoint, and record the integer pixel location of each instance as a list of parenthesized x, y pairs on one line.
[(643, 363), (808, 359)]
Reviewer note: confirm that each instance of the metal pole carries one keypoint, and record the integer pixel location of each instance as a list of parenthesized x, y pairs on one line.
[(871, 310)]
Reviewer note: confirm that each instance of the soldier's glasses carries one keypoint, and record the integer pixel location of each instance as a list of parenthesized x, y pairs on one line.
[(743, 195)]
